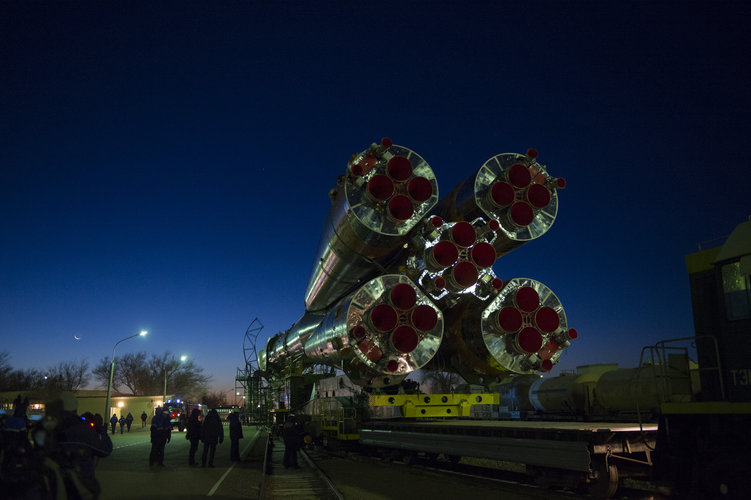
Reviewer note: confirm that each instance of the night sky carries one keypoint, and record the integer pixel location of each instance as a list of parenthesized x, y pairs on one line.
[(167, 167)]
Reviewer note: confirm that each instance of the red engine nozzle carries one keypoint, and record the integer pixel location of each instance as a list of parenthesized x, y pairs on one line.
[(424, 318), (403, 297), (383, 317), (404, 339)]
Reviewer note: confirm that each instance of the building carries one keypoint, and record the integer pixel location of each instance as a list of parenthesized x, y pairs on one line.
[(88, 401)]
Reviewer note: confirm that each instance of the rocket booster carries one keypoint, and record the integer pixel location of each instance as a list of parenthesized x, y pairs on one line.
[(386, 191), (403, 281), (513, 193)]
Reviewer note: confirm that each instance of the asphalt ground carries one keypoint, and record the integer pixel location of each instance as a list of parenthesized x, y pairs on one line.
[(126, 474)]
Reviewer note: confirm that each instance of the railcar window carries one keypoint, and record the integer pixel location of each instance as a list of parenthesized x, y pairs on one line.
[(737, 290)]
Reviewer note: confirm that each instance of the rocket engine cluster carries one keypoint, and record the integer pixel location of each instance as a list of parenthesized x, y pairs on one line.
[(403, 280)]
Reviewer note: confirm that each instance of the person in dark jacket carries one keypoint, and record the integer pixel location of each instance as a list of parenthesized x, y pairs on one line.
[(212, 432), (122, 423), (143, 419), (193, 435), (129, 420), (79, 441), (161, 433), (292, 433), (113, 422), (235, 435)]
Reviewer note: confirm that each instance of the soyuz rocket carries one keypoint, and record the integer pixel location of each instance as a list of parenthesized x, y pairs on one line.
[(403, 281)]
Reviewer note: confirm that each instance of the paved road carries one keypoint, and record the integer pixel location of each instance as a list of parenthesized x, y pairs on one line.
[(125, 474)]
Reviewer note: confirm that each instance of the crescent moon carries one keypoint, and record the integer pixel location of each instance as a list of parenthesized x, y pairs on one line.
[(77, 338)]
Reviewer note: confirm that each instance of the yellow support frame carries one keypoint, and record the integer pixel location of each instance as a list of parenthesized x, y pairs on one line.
[(434, 405)]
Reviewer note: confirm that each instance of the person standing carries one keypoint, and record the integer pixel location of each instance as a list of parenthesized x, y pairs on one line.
[(129, 420), (113, 422), (193, 435), (292, 435), (212, 432), (161, 433), (235, 435), (122, 423), (78, 441), (143, 419)]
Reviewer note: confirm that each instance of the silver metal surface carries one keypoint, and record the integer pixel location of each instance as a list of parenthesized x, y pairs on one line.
[(334, 344), (500, 344), (471, 199), (359, 236)]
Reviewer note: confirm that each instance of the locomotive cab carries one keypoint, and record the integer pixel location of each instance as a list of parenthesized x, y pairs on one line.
[(702, 445)]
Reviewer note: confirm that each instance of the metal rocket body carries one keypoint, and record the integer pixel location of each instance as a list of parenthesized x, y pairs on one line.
[(403, 281)]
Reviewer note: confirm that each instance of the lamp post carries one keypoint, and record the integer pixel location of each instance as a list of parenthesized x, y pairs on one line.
[(164, 393), (112, 373)]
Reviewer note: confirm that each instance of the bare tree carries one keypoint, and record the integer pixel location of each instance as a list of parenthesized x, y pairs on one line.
[(22, 380), (101, 373), (140, 375), (68, 376), (214, 399), (133, 373)]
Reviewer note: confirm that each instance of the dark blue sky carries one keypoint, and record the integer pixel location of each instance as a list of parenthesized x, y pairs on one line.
[(167, 168)]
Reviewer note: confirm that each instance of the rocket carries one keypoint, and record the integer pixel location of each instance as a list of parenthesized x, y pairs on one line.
[(403, 281)]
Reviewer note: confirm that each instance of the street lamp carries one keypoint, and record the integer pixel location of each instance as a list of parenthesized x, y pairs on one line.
[(164, 393), (112, 373)]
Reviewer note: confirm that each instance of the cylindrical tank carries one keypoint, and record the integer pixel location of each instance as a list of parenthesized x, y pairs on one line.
[(514, 394), (386, 191), (569, 393), (625, 390)]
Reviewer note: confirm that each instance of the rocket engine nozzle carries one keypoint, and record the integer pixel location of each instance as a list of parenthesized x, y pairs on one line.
[(524, 328), (380, 333), (512, 191)]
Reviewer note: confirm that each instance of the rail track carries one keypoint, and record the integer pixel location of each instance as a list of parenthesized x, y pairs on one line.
[(306, 482)]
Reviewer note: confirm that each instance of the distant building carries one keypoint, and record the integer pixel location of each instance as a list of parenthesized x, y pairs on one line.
[(91, 401)]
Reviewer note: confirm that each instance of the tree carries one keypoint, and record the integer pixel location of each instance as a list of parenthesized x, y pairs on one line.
[(68, 376), (101, 373), (141, 375), (18, 380), (214, 399)]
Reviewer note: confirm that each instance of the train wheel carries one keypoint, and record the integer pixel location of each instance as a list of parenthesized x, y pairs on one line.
[(606, 483)]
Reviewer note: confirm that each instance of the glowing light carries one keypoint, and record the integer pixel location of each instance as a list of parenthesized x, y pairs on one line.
[(120, 404), (143, 332)]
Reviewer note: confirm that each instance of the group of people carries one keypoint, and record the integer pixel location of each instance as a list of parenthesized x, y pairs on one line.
[(123, 421), (55, 457), (210, 431)]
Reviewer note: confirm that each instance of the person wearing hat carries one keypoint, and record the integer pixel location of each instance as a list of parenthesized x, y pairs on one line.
[(113, 422)]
